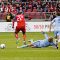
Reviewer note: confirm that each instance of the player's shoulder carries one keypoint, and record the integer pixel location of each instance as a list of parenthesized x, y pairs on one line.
[(57, 17), (18, 15)]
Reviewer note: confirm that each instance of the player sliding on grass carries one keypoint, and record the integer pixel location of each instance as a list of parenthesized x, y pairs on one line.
[(48, 41), (19, 18)]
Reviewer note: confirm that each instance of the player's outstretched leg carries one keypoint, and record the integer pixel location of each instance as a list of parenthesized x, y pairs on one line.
[(23, 46)]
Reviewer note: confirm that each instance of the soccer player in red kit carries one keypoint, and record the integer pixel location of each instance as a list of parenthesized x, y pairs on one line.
[(19, 18)]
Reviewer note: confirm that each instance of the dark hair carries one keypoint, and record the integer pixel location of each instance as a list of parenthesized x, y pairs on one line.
[(19, 13), (50, 39)]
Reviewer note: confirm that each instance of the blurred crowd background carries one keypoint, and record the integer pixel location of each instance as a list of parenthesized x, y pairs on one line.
[(34, 9)]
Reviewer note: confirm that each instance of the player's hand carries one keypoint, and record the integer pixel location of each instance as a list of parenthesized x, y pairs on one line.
[(42, 32)]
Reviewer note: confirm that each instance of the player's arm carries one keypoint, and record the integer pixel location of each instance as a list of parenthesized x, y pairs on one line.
[(46, 36), (13, 21), (51, 24), (13, 24)]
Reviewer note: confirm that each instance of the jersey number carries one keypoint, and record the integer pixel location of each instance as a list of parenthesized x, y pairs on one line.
[(19, 18)]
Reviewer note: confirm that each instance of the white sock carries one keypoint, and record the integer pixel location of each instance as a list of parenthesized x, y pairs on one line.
[(59, 40)]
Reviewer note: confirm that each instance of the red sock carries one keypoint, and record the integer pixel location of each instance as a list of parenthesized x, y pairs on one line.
[(16, 35), (24, 37)]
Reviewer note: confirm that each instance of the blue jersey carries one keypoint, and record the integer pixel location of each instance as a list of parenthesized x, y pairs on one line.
[(56, 22), (43, 43)]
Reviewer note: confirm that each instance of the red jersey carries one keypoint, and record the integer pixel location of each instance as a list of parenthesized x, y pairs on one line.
[(20, 20)]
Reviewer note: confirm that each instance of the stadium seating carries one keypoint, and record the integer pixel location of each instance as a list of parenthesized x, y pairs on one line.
[(34, 9), (38, 15), (32, 15), (27, 14), (31, 8)]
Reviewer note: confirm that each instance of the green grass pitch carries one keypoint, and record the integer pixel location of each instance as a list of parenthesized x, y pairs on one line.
[(12, 53)]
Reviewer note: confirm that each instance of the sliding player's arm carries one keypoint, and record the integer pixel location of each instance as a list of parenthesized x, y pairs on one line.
[(46, 36)]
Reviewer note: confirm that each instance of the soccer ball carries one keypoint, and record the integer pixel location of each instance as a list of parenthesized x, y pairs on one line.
[(2, 46)]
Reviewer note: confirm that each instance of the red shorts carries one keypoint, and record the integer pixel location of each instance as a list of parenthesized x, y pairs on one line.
[(20, 29)]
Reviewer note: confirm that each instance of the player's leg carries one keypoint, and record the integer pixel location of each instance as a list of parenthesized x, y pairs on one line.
[(24, 46), (16, 35), (27, 45), (33, 45), (24, 36), (55, 35), (58, 36)]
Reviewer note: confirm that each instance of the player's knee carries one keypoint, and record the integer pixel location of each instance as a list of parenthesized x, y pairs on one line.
[(16, 32), (23, 33)]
